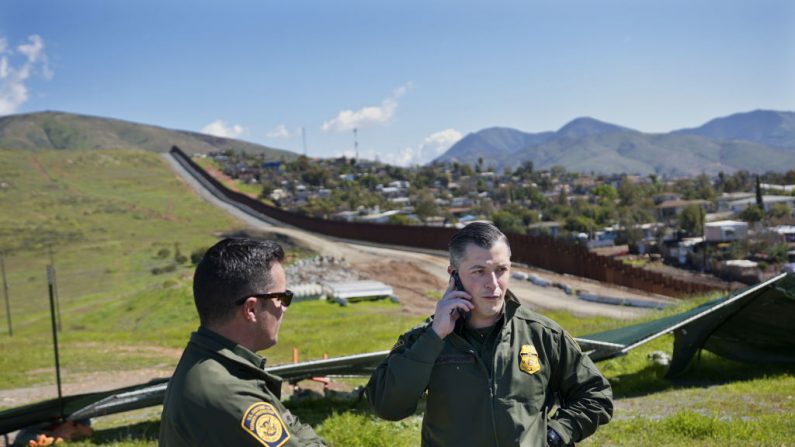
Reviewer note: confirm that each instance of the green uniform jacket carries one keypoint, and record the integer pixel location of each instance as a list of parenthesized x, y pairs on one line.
[(220, 395), (504, 403)]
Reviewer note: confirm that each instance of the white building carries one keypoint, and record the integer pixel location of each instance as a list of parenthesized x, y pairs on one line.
[(778, 188), (739, 205), (725, 230)]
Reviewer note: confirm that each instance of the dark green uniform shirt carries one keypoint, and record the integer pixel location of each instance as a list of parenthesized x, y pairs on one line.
[(501, 398), (220, 395)]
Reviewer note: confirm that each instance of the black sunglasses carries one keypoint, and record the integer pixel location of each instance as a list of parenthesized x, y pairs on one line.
[(285, 297)]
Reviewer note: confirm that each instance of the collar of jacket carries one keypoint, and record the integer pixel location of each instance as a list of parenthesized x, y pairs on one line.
[(511, 308), (230, 352)]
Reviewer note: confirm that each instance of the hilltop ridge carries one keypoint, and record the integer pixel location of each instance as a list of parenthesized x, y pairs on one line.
[(62, 130)]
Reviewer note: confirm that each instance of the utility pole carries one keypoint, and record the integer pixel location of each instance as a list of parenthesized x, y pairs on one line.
[(5, 292), (303, 138)]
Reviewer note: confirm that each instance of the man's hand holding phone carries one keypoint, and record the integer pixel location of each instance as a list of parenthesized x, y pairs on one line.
[(455, 304)]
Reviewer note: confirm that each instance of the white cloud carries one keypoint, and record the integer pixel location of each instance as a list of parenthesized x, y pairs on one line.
[(406, 157), (14, 77), (347, 120), (219, 128), (33, 50), (281, 132), (442, 140), (432, 146)]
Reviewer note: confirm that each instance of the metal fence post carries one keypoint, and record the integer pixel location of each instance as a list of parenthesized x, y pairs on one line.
[(5, 292)]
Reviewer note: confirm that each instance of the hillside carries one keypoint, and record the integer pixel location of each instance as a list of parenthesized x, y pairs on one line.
[(762, 126), (756, 141), (59, 130), (116, 221)]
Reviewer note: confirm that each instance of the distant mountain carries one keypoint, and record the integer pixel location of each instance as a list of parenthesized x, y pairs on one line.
[(742, 141), (59, 130), (586, 127), (762, 126), (493, 142)]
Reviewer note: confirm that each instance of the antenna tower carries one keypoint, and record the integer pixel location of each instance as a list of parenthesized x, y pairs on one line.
[(303, 138), (356, 142)]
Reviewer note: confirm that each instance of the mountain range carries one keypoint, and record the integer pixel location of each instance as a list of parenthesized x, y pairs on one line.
[(758, 141), (60, 130), (761, 140)]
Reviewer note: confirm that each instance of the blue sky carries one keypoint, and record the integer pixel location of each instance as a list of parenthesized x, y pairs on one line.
[(411, 76)]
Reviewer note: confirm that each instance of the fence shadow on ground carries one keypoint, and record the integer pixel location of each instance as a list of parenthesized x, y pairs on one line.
[(706, 370)]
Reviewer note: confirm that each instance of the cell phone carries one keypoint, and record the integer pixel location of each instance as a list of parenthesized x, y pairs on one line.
[(463, 316), (457, 285)]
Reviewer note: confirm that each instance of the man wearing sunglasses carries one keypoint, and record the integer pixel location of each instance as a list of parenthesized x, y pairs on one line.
[(220, 394)]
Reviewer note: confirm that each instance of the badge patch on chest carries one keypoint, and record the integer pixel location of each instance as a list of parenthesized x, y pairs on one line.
[(528, 359), (263, 422)]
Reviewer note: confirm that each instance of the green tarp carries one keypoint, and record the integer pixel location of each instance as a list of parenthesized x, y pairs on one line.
[(756, 324)]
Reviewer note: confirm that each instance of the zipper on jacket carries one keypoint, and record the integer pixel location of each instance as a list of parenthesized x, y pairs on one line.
[(490, 384)]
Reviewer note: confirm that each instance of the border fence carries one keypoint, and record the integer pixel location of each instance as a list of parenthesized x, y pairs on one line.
[(547, 253)]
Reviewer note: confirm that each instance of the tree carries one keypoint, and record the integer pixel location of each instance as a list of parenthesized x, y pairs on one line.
[(779, 211), (525, 170), (691, 220), (318, 207), (752, 214), (399, 219), (563, 198), (369, 181), (580, 224), (485, 207), (267, 188), (628, 192), (425, 206), (508, 222), (606, 194)]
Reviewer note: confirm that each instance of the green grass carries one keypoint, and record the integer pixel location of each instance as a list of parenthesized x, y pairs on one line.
[(105, 215), (688, 428)]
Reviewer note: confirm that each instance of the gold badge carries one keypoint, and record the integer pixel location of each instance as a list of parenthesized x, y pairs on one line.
[(528, 359), (263, 422)]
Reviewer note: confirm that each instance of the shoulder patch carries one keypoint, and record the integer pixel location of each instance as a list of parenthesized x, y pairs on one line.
[(263, 422)]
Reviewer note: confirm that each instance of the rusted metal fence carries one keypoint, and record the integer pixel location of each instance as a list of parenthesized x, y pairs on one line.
[(551, 254)]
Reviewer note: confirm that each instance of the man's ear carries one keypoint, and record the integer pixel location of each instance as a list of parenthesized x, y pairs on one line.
[(249, 309), (450, 269)]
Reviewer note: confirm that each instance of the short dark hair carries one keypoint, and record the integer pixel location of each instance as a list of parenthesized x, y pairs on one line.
[(482, 234), (228, 271)]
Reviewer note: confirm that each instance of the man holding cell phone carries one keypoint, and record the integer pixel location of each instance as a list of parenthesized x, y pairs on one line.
[(493, 369)]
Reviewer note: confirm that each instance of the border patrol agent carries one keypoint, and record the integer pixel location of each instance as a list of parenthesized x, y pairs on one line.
[(220, 394), (492, 368)]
